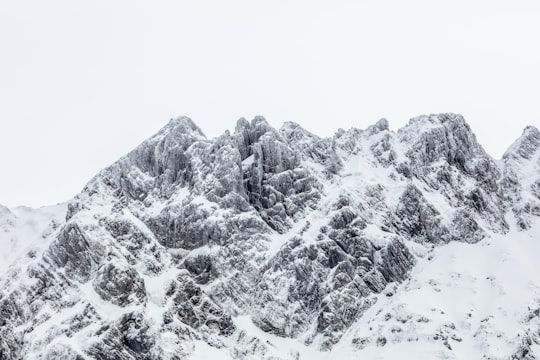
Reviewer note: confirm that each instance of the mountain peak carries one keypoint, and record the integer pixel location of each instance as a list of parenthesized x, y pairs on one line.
[(4, 210), (437, 137), (531, 130), (419, 125), (259, 120), (184, 125), (258, 123), (293, 131), (525, 146), (379, 126), (435, 120)]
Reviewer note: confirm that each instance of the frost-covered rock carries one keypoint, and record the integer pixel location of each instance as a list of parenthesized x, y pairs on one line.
[(521, 181)]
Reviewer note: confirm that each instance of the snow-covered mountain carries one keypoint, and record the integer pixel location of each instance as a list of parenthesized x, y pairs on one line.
[(23, 228), (279, 244)]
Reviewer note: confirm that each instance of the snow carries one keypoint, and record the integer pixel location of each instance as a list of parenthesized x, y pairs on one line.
[(282, 348), (105, 309), (247, 162), (24, 228), (203, 351), (477, 295), (156, 287), (484, 290), (156, 206), (437, 200)]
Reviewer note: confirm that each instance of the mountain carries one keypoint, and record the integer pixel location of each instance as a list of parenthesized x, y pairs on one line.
[(23, 227), (279, 244)]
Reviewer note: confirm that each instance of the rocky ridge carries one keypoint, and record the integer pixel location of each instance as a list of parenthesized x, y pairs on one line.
[(165, 250)]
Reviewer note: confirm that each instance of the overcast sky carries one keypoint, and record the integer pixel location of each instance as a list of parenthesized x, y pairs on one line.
[(83, 82)]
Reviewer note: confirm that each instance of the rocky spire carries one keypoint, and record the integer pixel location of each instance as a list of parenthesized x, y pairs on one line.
[(525, 146)]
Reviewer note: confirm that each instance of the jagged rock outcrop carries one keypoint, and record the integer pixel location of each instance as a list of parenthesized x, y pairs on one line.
[(521, 180), (175, 242)]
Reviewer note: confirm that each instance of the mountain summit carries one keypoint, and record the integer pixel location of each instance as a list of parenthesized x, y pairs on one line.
[(279, 244)]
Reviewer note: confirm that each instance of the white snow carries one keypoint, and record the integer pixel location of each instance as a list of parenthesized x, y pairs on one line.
[(23, 228), (247, 162), (483, 290), (477, 295)]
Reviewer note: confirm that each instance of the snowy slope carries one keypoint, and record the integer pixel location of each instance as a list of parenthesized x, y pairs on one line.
[(23, 228), (462, 301)]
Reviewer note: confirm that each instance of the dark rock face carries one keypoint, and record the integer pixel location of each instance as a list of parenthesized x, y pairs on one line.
[(129, 338), (191, 307), (169, 245), (417, 218), (119, 285), (201, 267), (520, 177), (75, 253), (451, 141), (10, 342)]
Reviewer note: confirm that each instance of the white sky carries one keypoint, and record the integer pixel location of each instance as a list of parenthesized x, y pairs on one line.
[(83, 82)]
